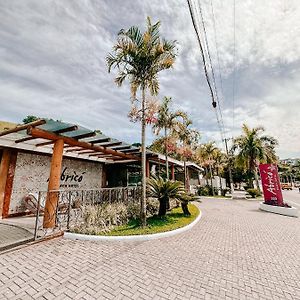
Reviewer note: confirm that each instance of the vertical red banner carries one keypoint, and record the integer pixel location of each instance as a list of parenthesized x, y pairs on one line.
[(271, 184)]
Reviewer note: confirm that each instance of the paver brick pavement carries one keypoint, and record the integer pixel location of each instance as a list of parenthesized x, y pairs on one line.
[(234, 252)]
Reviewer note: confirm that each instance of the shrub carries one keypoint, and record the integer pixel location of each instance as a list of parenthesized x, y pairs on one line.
[(207, 191), (102, 218), (254, 193), (224, 191), (164, 190)]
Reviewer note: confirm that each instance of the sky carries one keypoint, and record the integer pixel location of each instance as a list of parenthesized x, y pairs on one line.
[(52, 64)]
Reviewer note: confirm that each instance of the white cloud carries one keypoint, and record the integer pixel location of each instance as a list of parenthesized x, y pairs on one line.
[(52, 64)]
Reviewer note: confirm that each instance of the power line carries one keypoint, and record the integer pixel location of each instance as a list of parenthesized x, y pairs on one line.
[(218, 54), (202, 52), (211, 66), (234, 68)]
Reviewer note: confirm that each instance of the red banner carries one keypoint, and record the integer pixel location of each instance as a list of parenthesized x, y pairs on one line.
[(271, 184)]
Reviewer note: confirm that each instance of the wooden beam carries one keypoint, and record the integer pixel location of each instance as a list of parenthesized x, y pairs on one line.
[(25, 139), (39, 133), (70, 128), (85, 152), (54, 183), (131, 150), (73, 150), (4, 167), (120, 148), (147, 168), (84, 135), (108, 145), (172, 171), (99, 141), (96, 153), (22, 127), (44, 144)]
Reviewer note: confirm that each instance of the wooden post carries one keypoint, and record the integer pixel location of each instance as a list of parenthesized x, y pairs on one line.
[(54, 183), (9, 182), (4, 167), (147, 168), (173, 172)]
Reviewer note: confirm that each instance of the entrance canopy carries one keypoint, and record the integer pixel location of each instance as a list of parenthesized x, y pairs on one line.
[(79, 142)]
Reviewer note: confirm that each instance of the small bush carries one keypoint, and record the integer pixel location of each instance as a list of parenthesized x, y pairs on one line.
[(254, 193), (224, 191), (207, 191)]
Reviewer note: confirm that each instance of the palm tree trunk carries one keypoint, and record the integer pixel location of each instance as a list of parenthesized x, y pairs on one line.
[(256, 179), (211, 179), (163, 205), (185, 175), (166, 152), (143, 199)]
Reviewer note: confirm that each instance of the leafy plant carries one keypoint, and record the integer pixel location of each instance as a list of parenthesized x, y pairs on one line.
[(254, 193), (164, 190)]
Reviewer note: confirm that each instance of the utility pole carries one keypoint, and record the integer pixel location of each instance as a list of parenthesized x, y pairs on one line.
[(229, 167)]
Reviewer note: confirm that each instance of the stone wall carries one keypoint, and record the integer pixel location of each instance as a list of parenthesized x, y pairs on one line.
[(32, 174)]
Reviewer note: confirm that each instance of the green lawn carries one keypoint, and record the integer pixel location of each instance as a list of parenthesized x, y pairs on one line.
[(173, 220)]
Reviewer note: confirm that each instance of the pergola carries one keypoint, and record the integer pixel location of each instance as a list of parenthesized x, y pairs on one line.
[(62, 139)]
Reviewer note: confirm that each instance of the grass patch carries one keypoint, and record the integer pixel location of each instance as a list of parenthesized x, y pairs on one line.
[(173, 220), (217, 196)]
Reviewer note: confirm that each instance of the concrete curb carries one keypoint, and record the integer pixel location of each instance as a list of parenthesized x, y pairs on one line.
[(286, 211), (132, 238)]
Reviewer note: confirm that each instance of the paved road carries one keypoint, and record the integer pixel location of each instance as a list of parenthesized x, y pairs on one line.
[(292, 197), (234, 252)]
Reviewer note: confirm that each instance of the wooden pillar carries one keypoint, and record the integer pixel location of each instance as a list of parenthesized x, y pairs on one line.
[(4, 167), (147, 168), (172, 172), (54, 183), (9, 182)]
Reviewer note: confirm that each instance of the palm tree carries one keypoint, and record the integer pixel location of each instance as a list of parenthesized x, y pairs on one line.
[(207, 152), (253, 148), (167, 120), (163, 190), (189, 138), (139, 57), (220, 161)]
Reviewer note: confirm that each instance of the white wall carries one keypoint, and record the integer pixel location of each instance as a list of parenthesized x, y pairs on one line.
[(32, 173)]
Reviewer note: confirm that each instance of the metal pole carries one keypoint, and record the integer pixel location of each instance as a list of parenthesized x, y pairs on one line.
[(69, 210), (37, 216)]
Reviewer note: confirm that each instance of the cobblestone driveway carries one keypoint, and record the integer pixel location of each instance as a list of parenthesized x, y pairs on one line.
[(234, 252)]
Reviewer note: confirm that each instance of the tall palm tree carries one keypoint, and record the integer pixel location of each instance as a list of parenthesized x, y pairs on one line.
[(253, 148), (207, 152), (220, 161), (166, 121), (139, 57), (189, 138)]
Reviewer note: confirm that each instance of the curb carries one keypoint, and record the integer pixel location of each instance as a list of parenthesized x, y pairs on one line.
[(132, 238)]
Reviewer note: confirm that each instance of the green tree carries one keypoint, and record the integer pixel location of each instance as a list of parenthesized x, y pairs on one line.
[(29, 119), (189, 139), (167, 120), (206, 154), (252, 148), (139, 57)]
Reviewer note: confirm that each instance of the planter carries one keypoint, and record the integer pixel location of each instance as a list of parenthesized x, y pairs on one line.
[(131, 238), (286, 211)]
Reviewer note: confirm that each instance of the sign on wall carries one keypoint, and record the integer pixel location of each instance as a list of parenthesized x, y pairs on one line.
[(271, 184), (32, 175)]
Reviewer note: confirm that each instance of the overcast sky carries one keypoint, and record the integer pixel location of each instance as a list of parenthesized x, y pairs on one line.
[(52, 64)]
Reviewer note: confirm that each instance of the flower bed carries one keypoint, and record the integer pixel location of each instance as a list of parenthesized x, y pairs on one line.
[(174, 219)]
